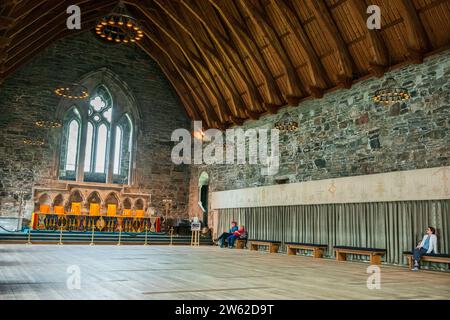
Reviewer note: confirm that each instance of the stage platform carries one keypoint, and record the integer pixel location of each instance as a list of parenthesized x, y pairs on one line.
[(70, 237), (205, 272)]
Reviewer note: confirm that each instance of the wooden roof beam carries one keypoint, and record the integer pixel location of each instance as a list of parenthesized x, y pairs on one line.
[(316, 70), (331, 31), (6, 22), (157, 55), (247, 43), (261, 21), (379, 55), (89, 16), (417, 40), (216, 62), (195, 62), (25, 7), (213, 118), (228, 51), (99, 5)]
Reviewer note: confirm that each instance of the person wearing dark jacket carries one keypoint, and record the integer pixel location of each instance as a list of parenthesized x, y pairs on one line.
[(223, 237)]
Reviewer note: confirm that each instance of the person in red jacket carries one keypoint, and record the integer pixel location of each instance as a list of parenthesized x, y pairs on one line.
[(239, 234)]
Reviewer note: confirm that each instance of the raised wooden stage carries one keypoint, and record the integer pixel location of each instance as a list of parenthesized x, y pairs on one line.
[(205, 272)]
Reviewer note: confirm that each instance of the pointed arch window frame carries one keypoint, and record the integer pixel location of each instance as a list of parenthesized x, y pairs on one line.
[(128, 106)]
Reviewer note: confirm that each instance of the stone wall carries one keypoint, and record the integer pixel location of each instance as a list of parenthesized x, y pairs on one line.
[(346, 134), (28, 95)]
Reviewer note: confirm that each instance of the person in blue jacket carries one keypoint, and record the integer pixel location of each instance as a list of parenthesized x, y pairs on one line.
[(221, 240)]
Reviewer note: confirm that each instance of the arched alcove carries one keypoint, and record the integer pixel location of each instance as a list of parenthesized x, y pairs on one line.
[(59, 200), (139, 204), (94, 197), (203, 184), (75, 196), (112, 198), (127, 203)]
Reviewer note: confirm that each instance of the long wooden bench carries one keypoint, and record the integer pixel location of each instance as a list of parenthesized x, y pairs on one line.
[(374, 254), (240, 243), (439, 258), (317, 249), (273, 245)]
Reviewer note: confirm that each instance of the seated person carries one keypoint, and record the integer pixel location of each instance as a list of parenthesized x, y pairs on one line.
[(426, 246), (239, 234), (223, 237)]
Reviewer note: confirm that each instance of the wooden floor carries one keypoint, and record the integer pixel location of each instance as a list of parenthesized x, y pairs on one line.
[(182, 272)]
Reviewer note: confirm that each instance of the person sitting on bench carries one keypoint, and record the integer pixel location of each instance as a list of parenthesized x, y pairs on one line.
[(239, 234), (426, 246), (223, 237)]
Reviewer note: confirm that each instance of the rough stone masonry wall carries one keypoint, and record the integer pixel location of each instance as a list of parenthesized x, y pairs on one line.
[(28, 96), (346, 134)]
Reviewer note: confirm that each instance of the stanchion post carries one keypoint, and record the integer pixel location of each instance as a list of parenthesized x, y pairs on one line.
[(29, 236), (120, 235), (146, 230), (60, 236), (171, 235), (92, 237)]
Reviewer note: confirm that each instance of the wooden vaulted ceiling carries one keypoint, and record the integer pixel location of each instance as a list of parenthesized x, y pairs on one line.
[(232, 60)]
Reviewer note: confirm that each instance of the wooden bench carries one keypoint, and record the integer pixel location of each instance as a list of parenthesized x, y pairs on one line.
[(439, 258), (374, 254), (317, 249), (240, 243), (273, 245)]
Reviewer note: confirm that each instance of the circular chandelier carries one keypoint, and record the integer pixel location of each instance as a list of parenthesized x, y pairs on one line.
[(34, 141), (72, 91), (286, 124), (49, 124), (119, 27), (391, 93)]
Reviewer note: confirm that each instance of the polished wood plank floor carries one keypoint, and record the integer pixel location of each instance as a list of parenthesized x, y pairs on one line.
[(182, 272)]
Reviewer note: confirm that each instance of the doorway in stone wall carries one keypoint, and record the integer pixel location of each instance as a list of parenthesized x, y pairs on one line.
[(203, 182)]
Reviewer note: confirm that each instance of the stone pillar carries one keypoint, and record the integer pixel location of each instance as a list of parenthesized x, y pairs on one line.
[(112, 147), (82, 141)]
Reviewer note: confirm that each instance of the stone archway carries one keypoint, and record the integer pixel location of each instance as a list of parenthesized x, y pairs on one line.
[(203, 185)]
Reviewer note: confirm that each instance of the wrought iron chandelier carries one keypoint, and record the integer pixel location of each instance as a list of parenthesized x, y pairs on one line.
[(72, 91), (33, 141), (119, 27), (391, 93), (286, 124), (48, 124)]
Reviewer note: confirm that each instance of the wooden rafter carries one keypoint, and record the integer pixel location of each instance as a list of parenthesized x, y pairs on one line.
[(169, 71), (247, 43), (418, 42), (198, 66), (261, 21), (213, 58), (210, 50), (184, 70), (330, 29), (230, 54), (316, 71), (378, 52)]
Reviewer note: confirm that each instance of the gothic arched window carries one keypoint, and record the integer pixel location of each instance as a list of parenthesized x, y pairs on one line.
[(70, 145), (98, 136), (106, 142)]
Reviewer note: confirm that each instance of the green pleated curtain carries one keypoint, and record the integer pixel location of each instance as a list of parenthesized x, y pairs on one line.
[(395, 226)]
